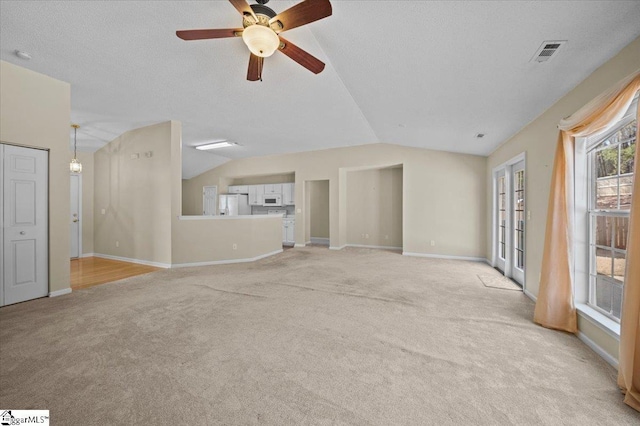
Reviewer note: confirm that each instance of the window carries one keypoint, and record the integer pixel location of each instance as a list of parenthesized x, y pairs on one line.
[(610, 174)]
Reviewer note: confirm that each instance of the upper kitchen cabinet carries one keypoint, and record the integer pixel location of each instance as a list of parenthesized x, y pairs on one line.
[(238, 189), (255, 195), (273, 188), (288, 194)]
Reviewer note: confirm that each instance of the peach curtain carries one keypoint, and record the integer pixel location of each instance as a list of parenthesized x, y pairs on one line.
[(555, 306), (629, 362)]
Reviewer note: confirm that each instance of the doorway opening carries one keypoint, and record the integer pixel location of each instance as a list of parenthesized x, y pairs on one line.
[(509, 219), (317, 205)]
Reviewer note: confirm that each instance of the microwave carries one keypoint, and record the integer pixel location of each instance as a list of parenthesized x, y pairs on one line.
[(269, 200)]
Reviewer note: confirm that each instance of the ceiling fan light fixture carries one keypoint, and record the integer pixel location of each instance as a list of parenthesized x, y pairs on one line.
[(262, 41)]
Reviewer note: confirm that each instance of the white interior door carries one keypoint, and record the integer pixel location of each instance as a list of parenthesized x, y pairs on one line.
[(25, 255), (76, 231), (518, 215), (209, 200)]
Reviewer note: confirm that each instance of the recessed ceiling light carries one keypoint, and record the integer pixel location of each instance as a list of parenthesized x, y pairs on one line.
[(215, 145), (22, 55), (479, 135)]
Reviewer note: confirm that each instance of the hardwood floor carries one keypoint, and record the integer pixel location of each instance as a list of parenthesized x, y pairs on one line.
[(90, 271)]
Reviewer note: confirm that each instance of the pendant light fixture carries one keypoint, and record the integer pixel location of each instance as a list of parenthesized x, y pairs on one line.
[(75, 165)]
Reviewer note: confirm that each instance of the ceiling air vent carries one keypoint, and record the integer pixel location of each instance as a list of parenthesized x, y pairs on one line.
[(547, 50)]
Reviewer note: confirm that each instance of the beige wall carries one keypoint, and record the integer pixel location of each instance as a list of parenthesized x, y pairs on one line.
[(452, 215), (213, 239), (88, 169), (35, 111), (538, 140), (257, 180), (319, 208), (134, 195), (374, 207), (142, 201)]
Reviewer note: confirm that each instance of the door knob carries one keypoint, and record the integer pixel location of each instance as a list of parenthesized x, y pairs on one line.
[(22, 232), (75, 220)]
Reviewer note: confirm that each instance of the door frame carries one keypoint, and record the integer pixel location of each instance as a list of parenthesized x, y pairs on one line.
[(79, 175), (507, 166)]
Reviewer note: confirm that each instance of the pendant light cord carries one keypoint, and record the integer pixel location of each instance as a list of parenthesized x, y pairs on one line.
[(75, 142)]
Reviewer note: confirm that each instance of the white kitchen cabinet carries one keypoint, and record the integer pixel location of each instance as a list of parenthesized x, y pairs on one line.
[(238, 189), (273, 188), (288, 194), (288, 231), (255, 195)]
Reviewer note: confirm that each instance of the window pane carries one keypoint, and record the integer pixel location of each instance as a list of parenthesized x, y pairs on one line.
[(603, 262), (621, 230), (627, 155), (604, 296), (619, 263), (616, 302), (607, 193), (603, 230), (626, 187), (607, 161)]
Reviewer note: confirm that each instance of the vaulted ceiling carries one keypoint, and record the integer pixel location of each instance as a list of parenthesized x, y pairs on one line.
[(415, 73)]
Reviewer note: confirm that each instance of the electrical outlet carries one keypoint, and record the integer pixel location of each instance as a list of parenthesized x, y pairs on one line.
[(433, 243), (235, 246), (366, 236), (103, 211), (298, 210), (528, 214), (117, 243), (386, 237)]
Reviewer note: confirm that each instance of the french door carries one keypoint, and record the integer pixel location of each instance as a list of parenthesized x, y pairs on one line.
[(509, 219)]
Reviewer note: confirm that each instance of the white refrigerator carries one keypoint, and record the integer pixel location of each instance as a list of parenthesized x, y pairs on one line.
[(234, 205)]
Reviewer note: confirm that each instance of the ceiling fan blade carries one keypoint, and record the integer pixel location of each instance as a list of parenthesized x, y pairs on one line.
[(305, 59), (255, 68), (301, 14), (207, 34), (243, 7)]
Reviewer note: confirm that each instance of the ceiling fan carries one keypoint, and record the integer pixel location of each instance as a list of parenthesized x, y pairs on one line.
[(261, 28)]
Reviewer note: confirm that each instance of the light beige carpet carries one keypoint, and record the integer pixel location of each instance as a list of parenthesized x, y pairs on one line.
[(308, 337), (496, 280)]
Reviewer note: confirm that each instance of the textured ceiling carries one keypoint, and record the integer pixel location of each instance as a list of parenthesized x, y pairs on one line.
[(424, 74)]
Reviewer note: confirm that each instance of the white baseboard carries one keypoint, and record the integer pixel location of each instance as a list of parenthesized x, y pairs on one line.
[(318, 240), (299, 245), (337, 247), (530, 295), (597, 349), (444, 256), (88, 255), (59, 292), (373, 247), (130, 260), (225, 262)]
